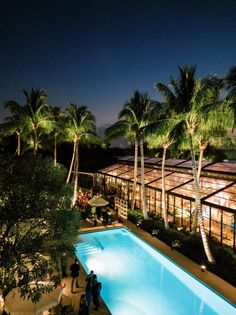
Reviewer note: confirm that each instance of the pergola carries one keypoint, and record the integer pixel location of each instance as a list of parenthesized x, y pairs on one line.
[(217, 191)]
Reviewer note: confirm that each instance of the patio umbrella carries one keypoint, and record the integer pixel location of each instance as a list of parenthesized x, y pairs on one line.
[(17, 305), (98, 202)]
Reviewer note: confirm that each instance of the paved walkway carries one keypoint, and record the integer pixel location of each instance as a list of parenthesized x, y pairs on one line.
[(213, 281)]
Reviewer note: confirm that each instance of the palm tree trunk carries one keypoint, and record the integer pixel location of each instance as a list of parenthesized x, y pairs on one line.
[(18, 143), (143, 193), (198, 207), (195, 214), (71, 165), (135, 173), (200, 162), (55, 150), (35, 140), (76, 172), (163, 201)]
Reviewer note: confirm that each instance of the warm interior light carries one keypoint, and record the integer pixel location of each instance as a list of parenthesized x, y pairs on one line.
[(203, 268)]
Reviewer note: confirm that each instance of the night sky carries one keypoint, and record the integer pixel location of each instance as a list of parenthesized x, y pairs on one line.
[(96, 52)]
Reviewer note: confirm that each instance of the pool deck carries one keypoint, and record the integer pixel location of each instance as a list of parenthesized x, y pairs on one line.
[(213, 281)]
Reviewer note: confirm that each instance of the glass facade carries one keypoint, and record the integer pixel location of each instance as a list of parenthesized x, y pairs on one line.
[(217, 188)]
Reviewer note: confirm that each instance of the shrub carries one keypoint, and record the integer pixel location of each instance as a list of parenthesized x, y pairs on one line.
[(225, 266), (192, 247), (149, 225), (135, 216), (170, 235)]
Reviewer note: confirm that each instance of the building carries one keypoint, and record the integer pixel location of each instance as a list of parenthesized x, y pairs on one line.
[(217, 191)]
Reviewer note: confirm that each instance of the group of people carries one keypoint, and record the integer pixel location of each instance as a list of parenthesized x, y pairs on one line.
[(104, 215), (92, 289), (92, 294)]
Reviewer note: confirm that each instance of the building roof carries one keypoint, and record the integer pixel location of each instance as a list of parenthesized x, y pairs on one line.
[(217, 184)]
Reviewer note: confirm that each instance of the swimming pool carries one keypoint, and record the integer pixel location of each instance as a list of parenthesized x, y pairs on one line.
[(139, 280)]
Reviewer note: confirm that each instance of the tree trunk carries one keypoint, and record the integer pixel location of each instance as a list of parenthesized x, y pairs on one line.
[(71, 165), (18, 143), (76, 172), (195, 214), (135, 174), (163, 197), (200, 162), (55, 150), (35, 140), (143, 193), (198, 205)]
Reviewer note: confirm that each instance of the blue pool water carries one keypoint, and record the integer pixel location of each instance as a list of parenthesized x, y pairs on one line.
[(139, 280)]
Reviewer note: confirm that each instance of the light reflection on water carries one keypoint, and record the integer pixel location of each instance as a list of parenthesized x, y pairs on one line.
[(138, 280)]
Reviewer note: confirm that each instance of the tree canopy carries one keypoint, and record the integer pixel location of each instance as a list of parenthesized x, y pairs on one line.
[(37, 222)]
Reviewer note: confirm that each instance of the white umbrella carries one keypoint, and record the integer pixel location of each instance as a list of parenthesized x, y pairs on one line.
[(17, 305), (98, 202)]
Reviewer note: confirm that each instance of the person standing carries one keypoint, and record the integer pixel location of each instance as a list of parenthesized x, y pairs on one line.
[(83, 306), (88, 293), (90, 277), (96, 289), (75, 268)]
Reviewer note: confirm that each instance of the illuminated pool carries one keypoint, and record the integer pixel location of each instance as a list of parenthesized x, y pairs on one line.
[(137, 279)]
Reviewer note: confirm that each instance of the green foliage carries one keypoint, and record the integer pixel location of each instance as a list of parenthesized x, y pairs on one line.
[(135, 216), (192, 247), (37, 224), (225, 266)]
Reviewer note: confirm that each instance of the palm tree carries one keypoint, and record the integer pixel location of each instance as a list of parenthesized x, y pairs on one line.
[(80, 128), (58, 130), (37, 116), (13, 124), (32, 118), (178, 94), (230, 86), (123, 128), (133, 119), (186, 101), (214, 133), (162, 138)]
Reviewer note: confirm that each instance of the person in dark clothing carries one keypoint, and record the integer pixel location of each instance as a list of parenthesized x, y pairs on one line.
[(75, 268), (90, 277), (98, 213), (83, 306), (88, 293), (96, 289)]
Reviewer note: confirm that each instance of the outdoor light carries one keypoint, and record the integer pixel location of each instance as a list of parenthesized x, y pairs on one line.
[(203, 268), (155, 232)]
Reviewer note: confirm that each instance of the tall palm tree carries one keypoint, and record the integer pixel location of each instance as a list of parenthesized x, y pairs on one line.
[(134, 117), (178, 94), (80, 128), (214, 133), (37, 115), (230, 86), (162, 138), (186, 99), (33, 118), (58, 132), (123, 128), (13, 124)]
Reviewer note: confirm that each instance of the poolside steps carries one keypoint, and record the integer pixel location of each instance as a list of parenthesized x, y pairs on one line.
[(84, 248)]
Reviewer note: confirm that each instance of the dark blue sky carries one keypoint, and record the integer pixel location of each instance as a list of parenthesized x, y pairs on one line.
[(96, 52)]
